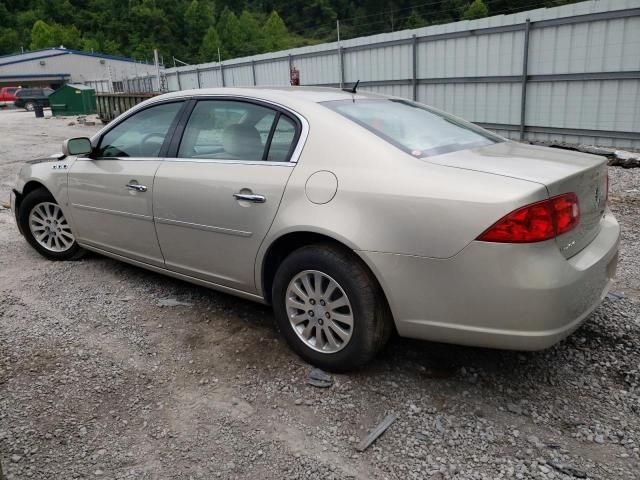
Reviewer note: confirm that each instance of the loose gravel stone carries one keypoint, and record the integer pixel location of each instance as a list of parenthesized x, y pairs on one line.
[(90, 387)]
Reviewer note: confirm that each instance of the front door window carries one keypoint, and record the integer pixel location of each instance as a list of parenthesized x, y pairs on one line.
[(140, 135)]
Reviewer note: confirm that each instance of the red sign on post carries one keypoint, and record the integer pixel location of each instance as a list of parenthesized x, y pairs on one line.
[(294, 76)]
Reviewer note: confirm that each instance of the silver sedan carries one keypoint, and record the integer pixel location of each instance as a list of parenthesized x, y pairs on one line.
[(355, 215)]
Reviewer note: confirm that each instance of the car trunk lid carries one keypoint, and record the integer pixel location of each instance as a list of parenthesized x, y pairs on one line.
[(561, 171)]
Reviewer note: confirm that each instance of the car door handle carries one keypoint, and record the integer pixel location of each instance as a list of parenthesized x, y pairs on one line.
[(250, 197), (137, 187)]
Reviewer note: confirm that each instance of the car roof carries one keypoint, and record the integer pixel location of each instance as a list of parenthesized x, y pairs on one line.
[(308, 94)]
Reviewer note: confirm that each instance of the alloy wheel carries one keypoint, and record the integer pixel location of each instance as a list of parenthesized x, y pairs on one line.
[(50, 228), (319, 311)]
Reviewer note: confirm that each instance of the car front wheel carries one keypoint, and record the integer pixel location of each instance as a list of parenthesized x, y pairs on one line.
[(329, 307), (45, 227)]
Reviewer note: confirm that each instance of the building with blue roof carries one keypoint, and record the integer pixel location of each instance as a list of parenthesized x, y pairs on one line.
[(53, 67)]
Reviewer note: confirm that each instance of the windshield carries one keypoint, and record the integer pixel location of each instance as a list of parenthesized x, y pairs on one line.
[(416, 129)]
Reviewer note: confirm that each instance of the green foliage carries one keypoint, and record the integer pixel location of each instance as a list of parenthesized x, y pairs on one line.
[(210, 45), (276, 35), (251, 40), (9, 40), (229, 32), (414, 20), (198, 17), (192, 30), (42, 36), (476, 9)]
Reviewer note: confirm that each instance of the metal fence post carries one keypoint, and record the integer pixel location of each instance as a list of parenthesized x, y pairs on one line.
[(178, 79), (253, 72), (525, 74), (290, 67), (222, 75), (414, 72), (198, 77), (341, 59)]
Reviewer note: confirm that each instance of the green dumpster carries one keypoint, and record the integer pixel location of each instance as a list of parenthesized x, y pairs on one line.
[(73, 100)]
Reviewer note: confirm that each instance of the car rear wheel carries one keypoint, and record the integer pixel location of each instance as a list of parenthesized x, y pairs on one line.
[(29, 106), (329, 307), (45, 227)]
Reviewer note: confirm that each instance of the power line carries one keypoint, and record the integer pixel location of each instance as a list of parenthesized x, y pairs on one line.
[(418, 8), (374, 31)]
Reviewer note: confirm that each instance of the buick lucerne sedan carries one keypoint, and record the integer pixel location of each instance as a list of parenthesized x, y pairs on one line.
[(354, 215)]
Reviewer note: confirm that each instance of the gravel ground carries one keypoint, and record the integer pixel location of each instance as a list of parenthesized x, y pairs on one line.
[(100, 377)]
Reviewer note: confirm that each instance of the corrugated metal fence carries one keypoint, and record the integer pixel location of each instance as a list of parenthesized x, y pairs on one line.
[(147, 83), (569, 73)]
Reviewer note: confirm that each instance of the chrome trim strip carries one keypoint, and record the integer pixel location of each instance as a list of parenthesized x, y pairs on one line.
[(113, 212), (206, 228), (229, 162)]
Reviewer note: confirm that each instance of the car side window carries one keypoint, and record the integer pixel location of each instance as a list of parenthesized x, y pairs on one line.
[(227, 130), (140, 135), (283, 139)]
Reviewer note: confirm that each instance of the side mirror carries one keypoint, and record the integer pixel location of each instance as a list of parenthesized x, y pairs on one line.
[(77, 146)]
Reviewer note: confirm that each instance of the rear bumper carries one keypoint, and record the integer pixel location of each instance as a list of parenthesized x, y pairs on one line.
[(519, 297)]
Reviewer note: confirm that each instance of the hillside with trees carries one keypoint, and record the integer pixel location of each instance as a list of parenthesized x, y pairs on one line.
[(194, 30)]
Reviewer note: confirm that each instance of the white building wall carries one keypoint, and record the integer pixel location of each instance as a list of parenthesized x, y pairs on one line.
[(82, 68)]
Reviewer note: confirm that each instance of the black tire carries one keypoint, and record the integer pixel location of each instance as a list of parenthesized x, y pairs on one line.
[(372, 324), (29, 106), (29, 202)]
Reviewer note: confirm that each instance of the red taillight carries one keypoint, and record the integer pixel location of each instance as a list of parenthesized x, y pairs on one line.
[(536, 222)]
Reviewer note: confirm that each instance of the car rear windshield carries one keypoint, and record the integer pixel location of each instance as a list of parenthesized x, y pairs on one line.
[(414, 128)]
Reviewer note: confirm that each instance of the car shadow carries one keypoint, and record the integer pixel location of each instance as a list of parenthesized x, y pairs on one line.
[(423, 358)]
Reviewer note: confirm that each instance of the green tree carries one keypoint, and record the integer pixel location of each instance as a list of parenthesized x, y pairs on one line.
[(557, 3), (476, 9), (9, 40), (414, 20), (276, 35), (68, 36), (198, 17), (151, 27), (251, 40), (42, 36), (210, 44), (229, 32), (323, 15), (111, 47), (91, 45)]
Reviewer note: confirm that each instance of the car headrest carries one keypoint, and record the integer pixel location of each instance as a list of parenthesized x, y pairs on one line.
[(242, 141)]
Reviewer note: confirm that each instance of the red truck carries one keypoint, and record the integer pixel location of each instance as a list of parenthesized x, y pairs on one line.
[(8, 95)]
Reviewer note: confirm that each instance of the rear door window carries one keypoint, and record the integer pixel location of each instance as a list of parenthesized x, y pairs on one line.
[(283, 140), (227, 130)]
